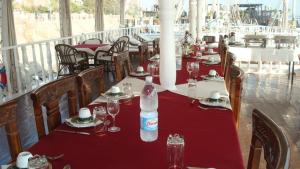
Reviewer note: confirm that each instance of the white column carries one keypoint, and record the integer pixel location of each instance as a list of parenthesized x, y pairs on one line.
[(200, 17), (285, 9), (65, 18), (167, 67), (193, 17), (99, 15), (122, 13)]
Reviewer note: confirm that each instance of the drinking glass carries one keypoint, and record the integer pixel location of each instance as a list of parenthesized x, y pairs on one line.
[(175, 151), (99, 113), (189, 67), (127, 89), (195, 70), (192, 89), (113, 108), (153, 69)]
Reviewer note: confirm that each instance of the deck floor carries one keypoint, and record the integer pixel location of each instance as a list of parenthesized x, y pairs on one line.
[(278, 98)]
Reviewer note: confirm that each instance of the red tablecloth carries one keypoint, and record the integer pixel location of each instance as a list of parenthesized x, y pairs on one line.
[(90, 46), (210, 139), (182, 75)]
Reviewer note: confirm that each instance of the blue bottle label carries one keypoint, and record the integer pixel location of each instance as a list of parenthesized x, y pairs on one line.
[(149, 122)]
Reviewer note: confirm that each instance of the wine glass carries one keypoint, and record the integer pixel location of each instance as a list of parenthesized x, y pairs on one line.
[(189, 67), (113, 108), (99, 113), (195, 70)]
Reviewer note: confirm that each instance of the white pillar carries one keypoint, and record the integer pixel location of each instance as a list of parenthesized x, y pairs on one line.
[(65, 18), (200, 17), (285, 9), (167, 67), (122, 13), (193, 17), (99, 15)]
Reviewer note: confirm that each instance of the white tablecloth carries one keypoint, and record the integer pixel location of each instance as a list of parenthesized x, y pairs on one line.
[(265, 54)]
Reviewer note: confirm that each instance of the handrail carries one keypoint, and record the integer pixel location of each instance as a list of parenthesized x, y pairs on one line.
[(36, 63)]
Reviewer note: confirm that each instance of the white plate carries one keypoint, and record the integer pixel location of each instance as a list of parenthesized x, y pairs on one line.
[(211, 63), (153, 59), (213, 78), (137, 74), (210, 53), (222, 102), (72, 122)]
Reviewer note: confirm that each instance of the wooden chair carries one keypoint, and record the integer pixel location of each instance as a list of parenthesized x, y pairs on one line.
[(123, 65), (87, 81), (92, 41), (68, 57), (267, 135), (49, 96), (8, 120), (209, 39), (105, 58), (156, 49), (229, 61), (235, 91)]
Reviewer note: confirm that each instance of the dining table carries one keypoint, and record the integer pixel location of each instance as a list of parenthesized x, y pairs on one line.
[(91, 49), (210, 134)]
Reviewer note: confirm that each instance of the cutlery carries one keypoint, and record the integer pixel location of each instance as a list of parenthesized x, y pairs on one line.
[(217, 108), (54, 157), (74, 132), (67, 166)]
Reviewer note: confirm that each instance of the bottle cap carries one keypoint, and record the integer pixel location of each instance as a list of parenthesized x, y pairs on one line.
[(149, 79)]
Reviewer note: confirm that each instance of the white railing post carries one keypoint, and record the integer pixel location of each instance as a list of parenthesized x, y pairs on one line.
[(19, 83), (24, 70), (49, 60), (36, 77), (42, 62)]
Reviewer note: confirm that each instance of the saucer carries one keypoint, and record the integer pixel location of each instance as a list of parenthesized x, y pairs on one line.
[(79, 120), (215, 78), (210, 53), (211, 63), (75, 122), (111, 94), (139, 74), (14, 166), (221, 102)]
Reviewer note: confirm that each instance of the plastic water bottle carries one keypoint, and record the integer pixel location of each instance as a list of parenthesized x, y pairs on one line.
[(148, 115)]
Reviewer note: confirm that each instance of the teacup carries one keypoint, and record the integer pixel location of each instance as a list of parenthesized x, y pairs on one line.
[(210, 51), (22, 159), (140, 69), (212, 73), (84, 113), (115, 89), (215, 95)]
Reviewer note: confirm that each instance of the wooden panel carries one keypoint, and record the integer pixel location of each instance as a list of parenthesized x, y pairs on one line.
[(86, 80), (8, 119), (49, 96), (123, 65)]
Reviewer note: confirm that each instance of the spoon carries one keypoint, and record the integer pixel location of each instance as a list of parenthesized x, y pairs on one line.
[(67, 166)]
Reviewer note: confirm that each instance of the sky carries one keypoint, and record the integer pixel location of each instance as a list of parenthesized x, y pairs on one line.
[(272, 3)]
